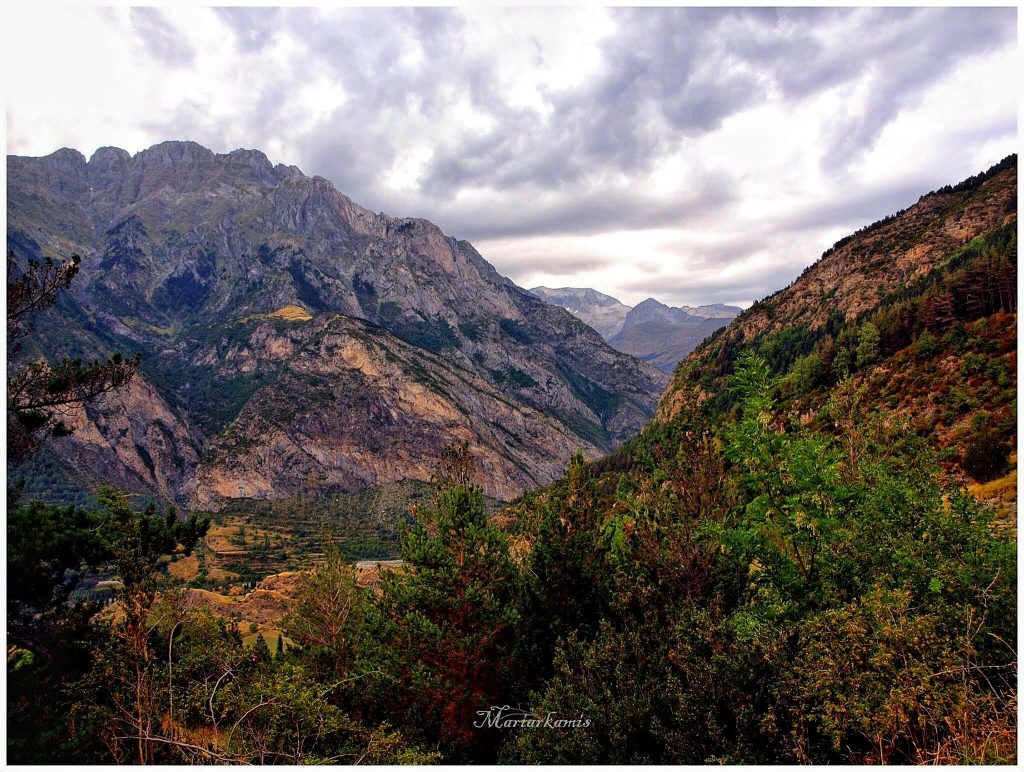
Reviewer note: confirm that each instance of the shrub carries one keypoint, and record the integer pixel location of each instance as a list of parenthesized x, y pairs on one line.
[(987, 457), (927, 346)]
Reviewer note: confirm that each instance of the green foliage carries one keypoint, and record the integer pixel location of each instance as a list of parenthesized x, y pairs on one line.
[(328, 615), (446, 624), (807, 374), (602, 402), (39, 392), (868, 341), (51, 550), (927, 346), (516, 330), (567, 579), (782, 574), (431, 334), (782, 348), (473, 330), (847, 608), (791, 482), (48, 547), (139, 538), (513, 377), (750, 591)]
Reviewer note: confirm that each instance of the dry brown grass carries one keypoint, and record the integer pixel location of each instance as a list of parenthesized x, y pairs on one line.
[(184, 569), (223, 539), (1001, 495), (983, 733), (220, 575), (218, 539), (289, 313), (263, 606), (209, 597), (269, 635), (995, 489)]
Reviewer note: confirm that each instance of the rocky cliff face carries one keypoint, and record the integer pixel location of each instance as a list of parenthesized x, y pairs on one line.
[(188, 254), (340, 404)]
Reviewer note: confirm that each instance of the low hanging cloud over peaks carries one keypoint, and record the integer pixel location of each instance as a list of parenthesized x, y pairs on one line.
[(724, 148)]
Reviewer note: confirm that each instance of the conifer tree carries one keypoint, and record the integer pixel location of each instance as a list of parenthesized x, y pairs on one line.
[(447, 621), (38, 391)]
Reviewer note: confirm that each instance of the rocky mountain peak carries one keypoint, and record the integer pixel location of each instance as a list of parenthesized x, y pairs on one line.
[(66, 159), (176, 153), (254, 166), (650, 305), (287, 172), (255, 159), (602, 312), (651, 310), (580, 297), (65, 171), (107, 155)]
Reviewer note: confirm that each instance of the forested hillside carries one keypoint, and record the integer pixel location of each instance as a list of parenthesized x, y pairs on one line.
[(916, 313)]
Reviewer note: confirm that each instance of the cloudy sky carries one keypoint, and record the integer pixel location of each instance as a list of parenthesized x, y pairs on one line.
[(696, 155)]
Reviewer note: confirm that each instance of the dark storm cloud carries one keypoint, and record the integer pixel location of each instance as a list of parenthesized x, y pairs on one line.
[(160, 38), (664, 79), (341, 151), (364, 50), (672, 74), (666, 76), (365, 53), (659, 82), (599, 211), (568, 263)]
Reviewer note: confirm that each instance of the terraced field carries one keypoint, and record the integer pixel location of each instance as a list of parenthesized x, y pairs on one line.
[(250, 540)]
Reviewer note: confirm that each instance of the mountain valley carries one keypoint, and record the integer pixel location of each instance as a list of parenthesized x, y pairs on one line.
[(651, 331)]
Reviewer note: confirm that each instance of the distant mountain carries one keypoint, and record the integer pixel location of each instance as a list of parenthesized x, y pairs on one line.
[(651, 310), (295, 343), (652, 331), (713, 311), (664, 343), (602, 312)]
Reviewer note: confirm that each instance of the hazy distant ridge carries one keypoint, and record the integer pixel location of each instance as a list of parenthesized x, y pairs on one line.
[(652, 331)]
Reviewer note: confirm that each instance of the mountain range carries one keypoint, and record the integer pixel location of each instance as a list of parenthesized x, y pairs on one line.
[(294, 342), (652, 331)]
